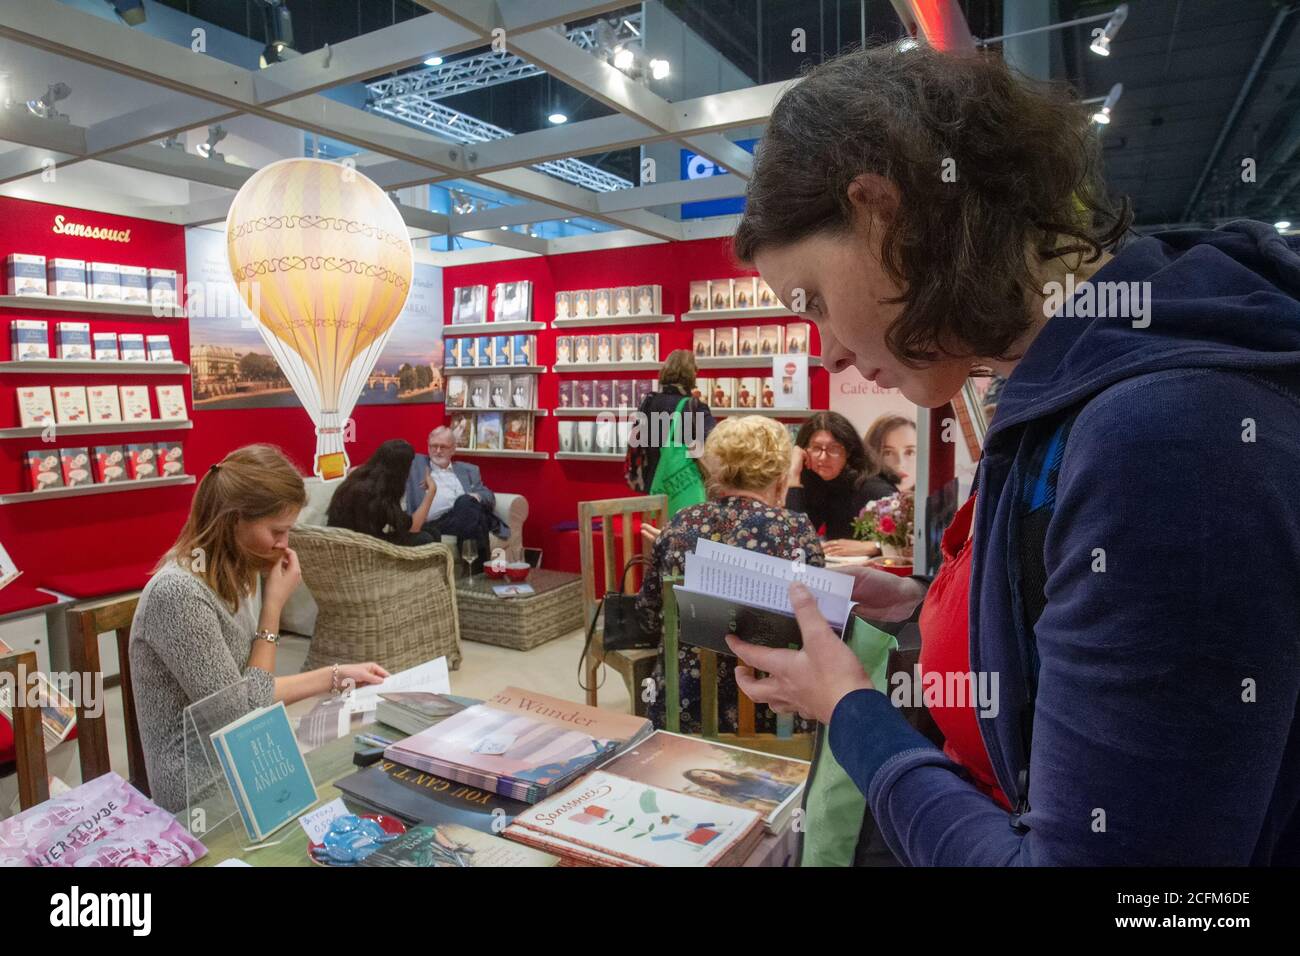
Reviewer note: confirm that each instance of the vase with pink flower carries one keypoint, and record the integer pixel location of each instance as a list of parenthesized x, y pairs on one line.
[(890, 523)]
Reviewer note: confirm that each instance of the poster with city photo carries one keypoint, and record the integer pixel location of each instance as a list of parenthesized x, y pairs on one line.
[(231, 366)]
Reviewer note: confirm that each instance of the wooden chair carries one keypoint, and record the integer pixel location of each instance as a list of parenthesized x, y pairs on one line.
[(634, 666), (793, 745), (85, 623), (29, 737)]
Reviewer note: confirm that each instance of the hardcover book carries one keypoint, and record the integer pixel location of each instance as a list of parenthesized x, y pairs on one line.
[(143, 460), (519, 431), (76, 468), (568, 435), (525, 347), (265, 769), (110, 464), (724, 393), (480, 387), (467, 356), (600, 301), (627, 348), (483, 352), (25, 274), (747, 340), (742, 293), (414, 711), (796, 337), (521, 391), (622, 303), (44, 469), (582, 348), (563, 349), (70, 406), (607, 819), (747, 390), (488, 430), (771, 340), (469, 305), (449, 844), (604, 348), (702, 342), (581, 304), (566, 394), (135, 403), (605, 394), (699, 296), (35, 406), (644, 389), (105, 822), (519, 743), (499, 391), (720, 293), (767, 397), (648, 347), (606, 437), (648, 299), (418, 797), (462, 428), (457, 391), (585, 391), (134, 281), (131, 345), (724, 342), (586, 437), (104, 281), (29, 339), (162, 287), (159, 348), (58, 712), (105, 407), (171, 402), (451, 353), (703, 390), (563, 305), (73, 339), (105, 344), (625, 393), (766, 298), (171, 459), (502, 350)]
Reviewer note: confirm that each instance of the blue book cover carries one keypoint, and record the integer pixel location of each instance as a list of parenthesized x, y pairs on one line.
[(523, 350), (500, 350), (451, 354), (483, 353), (266, 771)]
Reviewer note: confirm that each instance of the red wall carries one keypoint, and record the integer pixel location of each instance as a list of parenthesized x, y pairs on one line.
[(82, 534)]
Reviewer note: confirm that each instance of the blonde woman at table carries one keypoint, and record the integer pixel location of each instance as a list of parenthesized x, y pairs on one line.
[(210, 615)]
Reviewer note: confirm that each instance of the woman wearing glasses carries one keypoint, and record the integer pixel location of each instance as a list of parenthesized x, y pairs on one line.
[(831, 478)]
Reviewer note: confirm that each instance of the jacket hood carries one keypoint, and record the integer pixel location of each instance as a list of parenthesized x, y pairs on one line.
[(1221, 298)]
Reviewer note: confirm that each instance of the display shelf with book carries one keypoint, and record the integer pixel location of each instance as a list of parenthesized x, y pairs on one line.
[(479, 411), (595, 321), (487, 328), (589, 456), (573, 367), (69, 304), (747, 361), (621, 412), (140, 484), (720, 315), (498, 452), (799, 413), (92, 428), (90, 367)]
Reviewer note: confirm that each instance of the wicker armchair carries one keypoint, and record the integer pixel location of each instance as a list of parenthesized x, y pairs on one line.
[(378, 602)]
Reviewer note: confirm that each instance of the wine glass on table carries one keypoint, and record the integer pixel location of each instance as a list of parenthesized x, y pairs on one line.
[(469, 552)]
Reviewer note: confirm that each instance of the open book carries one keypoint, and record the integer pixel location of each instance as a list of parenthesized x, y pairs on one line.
[(730, 590)]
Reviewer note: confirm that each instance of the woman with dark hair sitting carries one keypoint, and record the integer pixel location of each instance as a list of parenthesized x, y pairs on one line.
[(831, 478), (370, 499)]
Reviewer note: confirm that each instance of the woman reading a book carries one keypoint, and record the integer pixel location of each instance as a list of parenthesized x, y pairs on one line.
[(745, 462), (209, 617), (934, 214)]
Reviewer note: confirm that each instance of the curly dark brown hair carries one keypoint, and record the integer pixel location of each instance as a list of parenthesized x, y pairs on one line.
[(1027, 177)]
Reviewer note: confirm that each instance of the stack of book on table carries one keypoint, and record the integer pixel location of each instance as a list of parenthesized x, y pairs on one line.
[(416, 797), (520, 744), (414, 711)]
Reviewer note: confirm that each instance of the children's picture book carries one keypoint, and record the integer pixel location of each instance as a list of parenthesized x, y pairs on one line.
[(419, 797), (449, 844), (70, 406), (266, 771), (171, 459), (44, 469), (135, 403), (29, 339), (35, 405), (75, 464), (110, 464), (143, 460)]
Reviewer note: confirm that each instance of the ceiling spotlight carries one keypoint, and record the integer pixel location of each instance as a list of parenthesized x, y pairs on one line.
[(557, 118), (1102, 116), (433, 61), (130, 12), (279, 32), (1282, 225), (1101, 45), (209, 149), (44, 107), (624, 59), (660, 69)]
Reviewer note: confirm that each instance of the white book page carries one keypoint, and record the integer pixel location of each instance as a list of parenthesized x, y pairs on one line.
[(429, 677), (817, 580), (758, 588)]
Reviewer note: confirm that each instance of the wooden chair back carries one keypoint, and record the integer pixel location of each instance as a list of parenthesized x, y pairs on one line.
[(29, 737), (85, 623), (611, 555)]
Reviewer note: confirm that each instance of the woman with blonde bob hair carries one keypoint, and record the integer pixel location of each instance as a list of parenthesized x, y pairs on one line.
[(209, 617), (745, 461)]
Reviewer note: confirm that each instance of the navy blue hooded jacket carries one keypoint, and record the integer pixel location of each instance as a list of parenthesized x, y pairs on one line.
[(1164, 723)]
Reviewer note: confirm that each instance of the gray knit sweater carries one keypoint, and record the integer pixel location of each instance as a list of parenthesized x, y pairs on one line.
[(185, 645)]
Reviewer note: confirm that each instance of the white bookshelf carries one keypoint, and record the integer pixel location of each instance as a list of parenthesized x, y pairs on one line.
[(576, 367), (767, 412), (479, 411), (589, 456), (499, 453), (747, 361), (488, 328), (467, 370), (143, 484), (723, 315), (613, 321), (99, 428), (90, 367), (51, 303)]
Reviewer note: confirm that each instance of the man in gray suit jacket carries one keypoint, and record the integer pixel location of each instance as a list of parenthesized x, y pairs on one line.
[(461, 504)]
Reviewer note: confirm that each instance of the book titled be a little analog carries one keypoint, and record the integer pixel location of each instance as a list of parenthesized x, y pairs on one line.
[(265, 769)]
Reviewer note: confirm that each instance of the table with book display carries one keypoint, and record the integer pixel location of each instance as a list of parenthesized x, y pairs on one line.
[(498, 611)]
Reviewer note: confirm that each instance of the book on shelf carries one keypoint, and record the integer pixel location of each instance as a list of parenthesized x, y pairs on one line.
[(44, 469), (414, 711), (649, 300), (135, 403), (512, 301), (499, 391), (621, 303), (451, 352), (171, 403), (702, 342), (105, 345), (624, 435), (417, 797), (469, 305), (457, 391), (76, 468), (724, 393), (644, 389), (563, 349), (450, 844), (131, 346), (568, 430), (625, 393), (607, 820), (600, 302), (518, 435), (582, 304), (73, 340), (483, 351), (111, 464), (563, 305), (766, 298), (70, 406), (143, 461), (771, 340), (703, 390), (730, 590), (766, 783), (743, 292), (464, 349), (25, 274), (171, 459), (502, 350), (105, 822), (720, 293), (586, 437), (162, 287), (585, 392), (134, 281), (796, 338), (699, 296), (521, 744), (488, 431), (648, 347), (524, 348), (158, 348), (606, 436), (480, 387), (724, 342), (462, 428), (266, 771), (66, 278), (58, 712), (603, 348), (29, 339), (626, 348), (747, 389), (767, 397), (104, 281), (747, 341), (522, 391), (605, 394), (582, 349), (566, 393), (35, 406)]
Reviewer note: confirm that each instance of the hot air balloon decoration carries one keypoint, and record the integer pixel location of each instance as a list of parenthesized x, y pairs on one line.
[(321, 256)]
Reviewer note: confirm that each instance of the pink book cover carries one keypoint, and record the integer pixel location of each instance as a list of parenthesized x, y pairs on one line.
[(105, 822)]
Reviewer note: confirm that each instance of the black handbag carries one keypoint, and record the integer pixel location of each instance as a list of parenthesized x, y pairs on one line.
[(625, 629)]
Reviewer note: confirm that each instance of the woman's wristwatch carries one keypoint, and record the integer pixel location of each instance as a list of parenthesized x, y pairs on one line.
[(269, 636)]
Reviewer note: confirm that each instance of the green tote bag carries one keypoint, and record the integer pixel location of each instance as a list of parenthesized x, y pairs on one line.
[(677, 475)]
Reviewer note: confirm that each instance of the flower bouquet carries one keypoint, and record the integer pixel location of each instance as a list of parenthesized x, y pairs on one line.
[(889, 522)]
